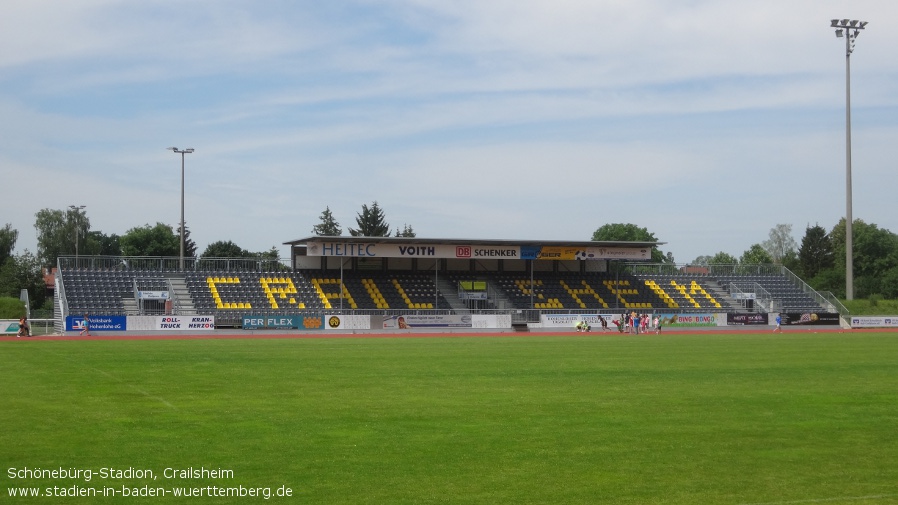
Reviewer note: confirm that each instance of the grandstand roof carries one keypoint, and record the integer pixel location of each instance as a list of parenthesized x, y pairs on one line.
[(394, 247), (470, 241)]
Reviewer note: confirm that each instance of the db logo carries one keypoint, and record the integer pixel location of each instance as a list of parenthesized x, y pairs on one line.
[(463, 251)]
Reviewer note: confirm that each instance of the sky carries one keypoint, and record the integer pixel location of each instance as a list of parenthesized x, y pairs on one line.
[(706, 122)]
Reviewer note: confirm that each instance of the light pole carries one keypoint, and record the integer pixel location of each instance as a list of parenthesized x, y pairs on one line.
[(850, 28), (182, 152), (77, 210)]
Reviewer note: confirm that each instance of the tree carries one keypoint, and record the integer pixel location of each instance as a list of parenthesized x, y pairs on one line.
[(701, 261), (816, 251), (875, 254), (890, 284), (780, 242), (189, 244), (407, 232), (614, 232), (8, 237), (98, 243), (159, 240), (722, 258), (271, 254), (328, 227), (58, 231), (755, 255), (222, 249), (23, 272), (371, 222)]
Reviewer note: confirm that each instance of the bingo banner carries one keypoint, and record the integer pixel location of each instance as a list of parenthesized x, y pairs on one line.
[(692, 320)]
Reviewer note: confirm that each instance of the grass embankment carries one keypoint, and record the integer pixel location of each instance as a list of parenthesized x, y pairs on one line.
[(872, 307)]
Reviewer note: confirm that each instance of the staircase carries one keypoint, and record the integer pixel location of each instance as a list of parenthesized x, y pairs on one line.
[(130, 305), (182, 303), (723, 296), (450, 294)]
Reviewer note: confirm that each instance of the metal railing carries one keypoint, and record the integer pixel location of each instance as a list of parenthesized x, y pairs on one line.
[(172, 264)]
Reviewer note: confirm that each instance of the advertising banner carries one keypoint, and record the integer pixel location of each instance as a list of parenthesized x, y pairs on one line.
[(474, 251), (97, 323), (152, 295), (874, 321), (690, 320), (810, 318), (747, 319), (257, 322), (571, 320), (343, 322), (585, 253), (425, 321), (491, 321), (377, 250), (181, 323), (253, 322), (9, 326)]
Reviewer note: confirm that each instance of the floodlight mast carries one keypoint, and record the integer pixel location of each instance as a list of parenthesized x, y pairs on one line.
[(182, 152), (850, 28)]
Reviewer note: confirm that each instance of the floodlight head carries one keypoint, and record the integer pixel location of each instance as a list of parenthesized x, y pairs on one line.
[(845, 22), (834, 23), (172, 148), (188, 150), (863, 24), (853, 23), (839, 33)]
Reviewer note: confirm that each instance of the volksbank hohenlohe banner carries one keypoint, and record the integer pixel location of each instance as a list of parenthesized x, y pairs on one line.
[(874, 321), (474, 251), (97, 323)]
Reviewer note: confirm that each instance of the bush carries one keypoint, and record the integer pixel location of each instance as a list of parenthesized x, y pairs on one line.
[(11, 308)]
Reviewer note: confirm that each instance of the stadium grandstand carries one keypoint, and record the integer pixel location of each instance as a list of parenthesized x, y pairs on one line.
[(393, 275)]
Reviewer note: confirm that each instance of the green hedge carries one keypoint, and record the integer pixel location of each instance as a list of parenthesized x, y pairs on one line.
[(11, 308)]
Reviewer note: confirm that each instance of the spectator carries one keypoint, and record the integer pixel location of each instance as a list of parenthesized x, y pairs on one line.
[(85, 328), (24, 328)]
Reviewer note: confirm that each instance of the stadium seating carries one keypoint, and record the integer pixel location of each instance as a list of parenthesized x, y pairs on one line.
[(236, 293), (792, 297)]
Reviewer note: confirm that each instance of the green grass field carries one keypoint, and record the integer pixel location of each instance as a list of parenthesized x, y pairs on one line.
[(678, 419)]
